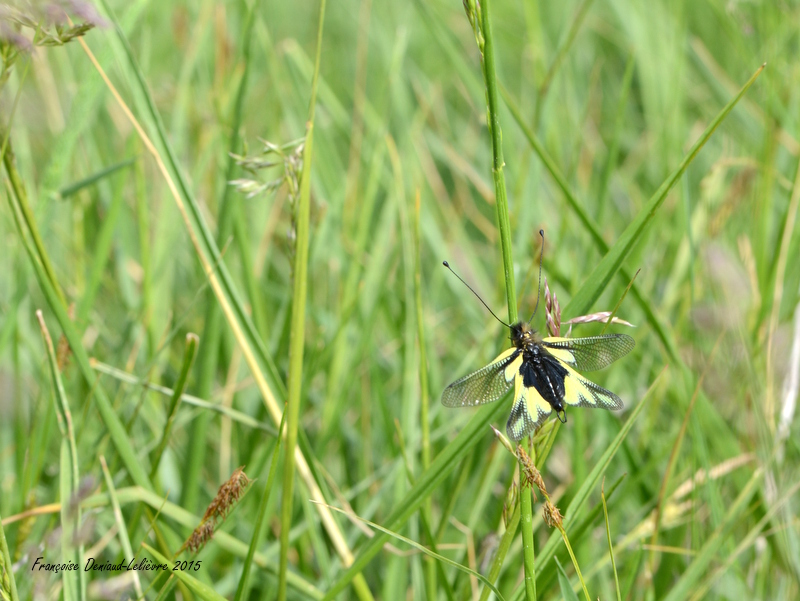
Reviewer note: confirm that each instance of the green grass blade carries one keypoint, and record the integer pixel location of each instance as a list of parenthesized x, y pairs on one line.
[(707, 554), (7, 572), (594, 477), (567, 592), (201, 589), (73, 581), (183, 377), (116, 430), (597, 281), (76, 187), (610, 545), (243, 589), (426, 551)]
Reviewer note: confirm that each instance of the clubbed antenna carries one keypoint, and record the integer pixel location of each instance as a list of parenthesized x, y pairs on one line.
[(446, 264), (539, 285)]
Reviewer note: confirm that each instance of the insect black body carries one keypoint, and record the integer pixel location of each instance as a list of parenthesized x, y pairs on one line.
[(539, 369), (543, 374)]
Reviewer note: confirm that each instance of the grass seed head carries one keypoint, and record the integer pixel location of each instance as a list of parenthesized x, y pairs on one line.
[(552, 516), (552, 311), (227, 496), (529, 474)]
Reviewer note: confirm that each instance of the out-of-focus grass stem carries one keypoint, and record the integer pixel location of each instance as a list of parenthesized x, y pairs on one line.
[(188, 360), (74, 584)]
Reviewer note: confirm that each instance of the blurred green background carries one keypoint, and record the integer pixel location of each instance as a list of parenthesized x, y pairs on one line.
[(615, 94)]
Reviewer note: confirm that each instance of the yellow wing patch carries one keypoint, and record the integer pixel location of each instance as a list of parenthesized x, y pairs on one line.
[(512, 369), (562, 354), (529, 412), (576, 392), (580, 392)]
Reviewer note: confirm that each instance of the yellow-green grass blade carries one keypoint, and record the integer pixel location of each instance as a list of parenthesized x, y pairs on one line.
[(426, 551), (119, 520), (116, 430), (567, 592), (594, 477), (260, 362), (73, 581), (599, 278), (201, 589), (179, 515), (426, 483)]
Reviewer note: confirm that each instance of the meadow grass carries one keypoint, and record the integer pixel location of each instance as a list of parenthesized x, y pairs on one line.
[(160, 325)]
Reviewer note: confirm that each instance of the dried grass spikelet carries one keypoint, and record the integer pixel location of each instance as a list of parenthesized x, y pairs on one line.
[(601, 316), (529, 473), (46, 23), (552, 311), (227, 496), (553, 314), (552, 516), (201, 535), (223, 503)]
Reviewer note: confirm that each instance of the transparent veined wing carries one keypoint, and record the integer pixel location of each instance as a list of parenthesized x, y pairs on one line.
[(530, 411), (581, 392), (485, 385), (591, 353)]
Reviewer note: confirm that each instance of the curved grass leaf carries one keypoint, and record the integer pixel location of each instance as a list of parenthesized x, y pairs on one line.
[(444, 463), (201, 589), (425, 550), (567, 592), (594, 477), (598, 280)]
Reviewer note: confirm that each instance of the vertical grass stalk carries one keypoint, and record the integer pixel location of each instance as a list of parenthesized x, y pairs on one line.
[(529, 556), (243, 589), (493, 121), (180, 386), (430, 564), (486, 41), (74, 583), (610, 544), (5, 563), (297, 331), (116, 430)]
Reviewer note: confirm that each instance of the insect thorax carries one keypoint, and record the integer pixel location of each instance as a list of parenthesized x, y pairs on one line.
[(539, 369), (524, 337)]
